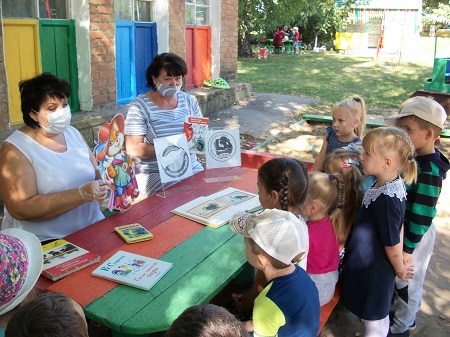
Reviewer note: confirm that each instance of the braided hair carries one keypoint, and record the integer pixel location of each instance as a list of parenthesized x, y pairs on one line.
[(288, 177)]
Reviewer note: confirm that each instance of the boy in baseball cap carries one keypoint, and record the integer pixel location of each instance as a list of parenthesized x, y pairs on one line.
[(423, 120), (289, 303)]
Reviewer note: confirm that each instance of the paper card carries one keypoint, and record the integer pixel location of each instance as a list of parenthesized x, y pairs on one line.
[(223, 148), (208, 208), (172, 155), (195, 129)]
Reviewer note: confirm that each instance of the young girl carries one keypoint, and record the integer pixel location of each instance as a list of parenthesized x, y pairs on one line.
[(349, 121), (325, 194), (283, 184), (375, 250), (346, 162)]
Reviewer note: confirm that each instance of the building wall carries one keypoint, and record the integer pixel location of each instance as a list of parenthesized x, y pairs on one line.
[(229, 39), (103, 54), (4, 108), (177, 28)]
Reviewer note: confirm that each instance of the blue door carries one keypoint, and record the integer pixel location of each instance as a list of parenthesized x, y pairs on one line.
[(146, 50), (136, 45)]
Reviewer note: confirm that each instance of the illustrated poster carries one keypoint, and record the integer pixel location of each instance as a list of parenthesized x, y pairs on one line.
[(195, 130), (223, 148), (174, 161)]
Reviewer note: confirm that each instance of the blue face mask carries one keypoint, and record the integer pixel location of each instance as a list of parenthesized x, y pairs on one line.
[(168, 90), (58, 121)]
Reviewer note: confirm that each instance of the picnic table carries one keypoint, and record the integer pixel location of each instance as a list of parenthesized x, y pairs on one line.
[(204, 259)]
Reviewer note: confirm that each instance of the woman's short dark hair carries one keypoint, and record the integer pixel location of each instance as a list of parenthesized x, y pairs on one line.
[(35, 91), (50, 314), (170, 62), (206, 321)]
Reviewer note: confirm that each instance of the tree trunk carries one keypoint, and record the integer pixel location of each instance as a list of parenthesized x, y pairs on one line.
[(244, 46)]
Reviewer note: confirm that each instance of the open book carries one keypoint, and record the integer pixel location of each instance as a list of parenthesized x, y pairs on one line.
[(217, 209)]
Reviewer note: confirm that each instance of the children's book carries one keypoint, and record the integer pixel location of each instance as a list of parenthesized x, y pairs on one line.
[(133, 270), (217, 209), (133, 233), (62, 258), (195, 130)]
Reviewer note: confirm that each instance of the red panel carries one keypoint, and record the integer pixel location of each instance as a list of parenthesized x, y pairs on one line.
[(190, 56), (202, 54)]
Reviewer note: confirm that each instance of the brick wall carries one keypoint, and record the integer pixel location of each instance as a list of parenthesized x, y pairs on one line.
[(4, 110), (177, 28), (229, 40), (103, 54)]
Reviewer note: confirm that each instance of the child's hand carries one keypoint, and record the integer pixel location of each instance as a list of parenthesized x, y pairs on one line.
[(407, 257), (407, 272)]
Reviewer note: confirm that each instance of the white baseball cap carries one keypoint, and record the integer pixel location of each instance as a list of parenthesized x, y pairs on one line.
[(279, 233), (425, 108)]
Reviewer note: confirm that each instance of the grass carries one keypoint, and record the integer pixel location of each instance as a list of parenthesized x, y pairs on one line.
[(332, 77)]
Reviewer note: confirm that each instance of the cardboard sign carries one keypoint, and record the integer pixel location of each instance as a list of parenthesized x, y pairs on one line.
[(223, 148)]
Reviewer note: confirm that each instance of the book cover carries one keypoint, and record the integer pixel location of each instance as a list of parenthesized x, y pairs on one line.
[(133, 233), (217, 209), (62, 258), (133, 270), (195, 130)]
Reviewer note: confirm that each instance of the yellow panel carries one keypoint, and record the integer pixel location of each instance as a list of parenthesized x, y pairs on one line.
[(22, 59)]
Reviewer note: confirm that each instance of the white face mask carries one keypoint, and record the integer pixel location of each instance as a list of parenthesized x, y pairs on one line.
[(58, 121), (168, 90)]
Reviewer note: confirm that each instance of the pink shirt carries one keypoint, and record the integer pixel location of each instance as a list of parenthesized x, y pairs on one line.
[(323, 255)]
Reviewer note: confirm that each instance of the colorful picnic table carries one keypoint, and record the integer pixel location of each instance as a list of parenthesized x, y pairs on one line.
[(204, 259)]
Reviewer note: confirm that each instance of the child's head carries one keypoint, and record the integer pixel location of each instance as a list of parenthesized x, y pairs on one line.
[(390, 147), (283, 183), (325, 192), (271, 236), (421, 117), (346, 161), (349, 115), (21, 264), (48, 315), (206, 321)]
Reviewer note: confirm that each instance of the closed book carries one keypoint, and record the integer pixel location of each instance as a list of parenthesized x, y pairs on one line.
[(133, 233), (133, 270), (217, 209), (62, 258)]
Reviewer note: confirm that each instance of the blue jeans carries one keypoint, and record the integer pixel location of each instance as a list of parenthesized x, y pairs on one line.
[(405, 312)]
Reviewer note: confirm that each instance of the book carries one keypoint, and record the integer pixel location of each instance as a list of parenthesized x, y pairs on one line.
[(133, 270), (195, 130), (217, 209), (133, 233), (62, 258)]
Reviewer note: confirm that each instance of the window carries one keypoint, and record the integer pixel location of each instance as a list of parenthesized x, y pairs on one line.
[(197, 12), (44, 9), (133, 10)]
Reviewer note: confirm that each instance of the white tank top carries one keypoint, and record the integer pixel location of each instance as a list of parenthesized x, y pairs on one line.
[(56, 172)]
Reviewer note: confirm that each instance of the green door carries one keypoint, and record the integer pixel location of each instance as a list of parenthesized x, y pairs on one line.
[(58, 54)]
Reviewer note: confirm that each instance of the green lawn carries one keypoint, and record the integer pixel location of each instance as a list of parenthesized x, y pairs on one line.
[(332, 77)]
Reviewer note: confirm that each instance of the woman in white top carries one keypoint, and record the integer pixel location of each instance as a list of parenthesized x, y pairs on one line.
[(159, 113), (47, 171)]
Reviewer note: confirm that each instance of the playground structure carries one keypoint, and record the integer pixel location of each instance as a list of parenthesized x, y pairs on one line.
[(438, 86)]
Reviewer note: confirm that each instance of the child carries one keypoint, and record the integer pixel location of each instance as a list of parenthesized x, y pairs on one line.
[(325, 194), (289, 302), (48, 315), (296, 39), (21, 264), (349, 121), (374, 254), (346, 162), (423, 119), (205, 321), (283, 184)]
